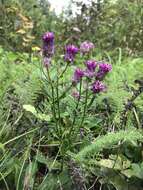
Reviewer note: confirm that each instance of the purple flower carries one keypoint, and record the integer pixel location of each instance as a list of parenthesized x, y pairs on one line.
[(48, 37), (91, 65), (76, 94), (90, 71), (78, 74), (71, 51), (104, 68), (46, 61), (86, 47), (98, 86), (48, 44)]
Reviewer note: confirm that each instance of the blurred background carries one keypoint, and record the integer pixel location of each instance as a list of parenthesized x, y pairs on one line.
[(110, 24)]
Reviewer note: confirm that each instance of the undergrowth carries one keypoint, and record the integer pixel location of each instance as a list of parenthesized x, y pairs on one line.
[(102, 149)]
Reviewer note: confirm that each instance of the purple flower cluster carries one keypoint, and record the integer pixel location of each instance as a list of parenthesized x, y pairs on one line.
[(70, 52), (95, 71), (48, 47)]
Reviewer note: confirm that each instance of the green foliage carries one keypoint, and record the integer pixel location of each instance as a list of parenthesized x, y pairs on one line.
[(108, 141), (26, 108), (19, 85), (121, 83)]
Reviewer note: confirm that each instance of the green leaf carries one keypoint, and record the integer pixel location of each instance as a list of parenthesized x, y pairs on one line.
[(2, 147), (43, 117), (119, 163), (47, 161), (40, 116), (30, 175), (56, 181), (118, 182), (30, 108), (136, 170)]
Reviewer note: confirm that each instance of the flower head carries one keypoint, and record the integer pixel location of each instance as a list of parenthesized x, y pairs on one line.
[(46, 61), (71, 51), (91, 65), (48, 44), (78, 74), (86, 47), (48, 37), (98, 86), (104, 68)]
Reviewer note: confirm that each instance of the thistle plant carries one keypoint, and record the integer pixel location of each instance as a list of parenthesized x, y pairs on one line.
[(72, 88)]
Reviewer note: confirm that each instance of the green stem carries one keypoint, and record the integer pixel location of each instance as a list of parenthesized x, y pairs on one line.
[(45, 79), (75, 111), (64, 93), (24, 134), (50, 167), (91, 101), (61, 75), (85, 107), (53, 99), (58, 105)]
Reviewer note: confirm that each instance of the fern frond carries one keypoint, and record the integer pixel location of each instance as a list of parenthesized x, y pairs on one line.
[(122, 74), (107, 141)]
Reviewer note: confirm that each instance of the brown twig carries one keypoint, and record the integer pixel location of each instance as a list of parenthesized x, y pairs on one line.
[(129, 105)]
